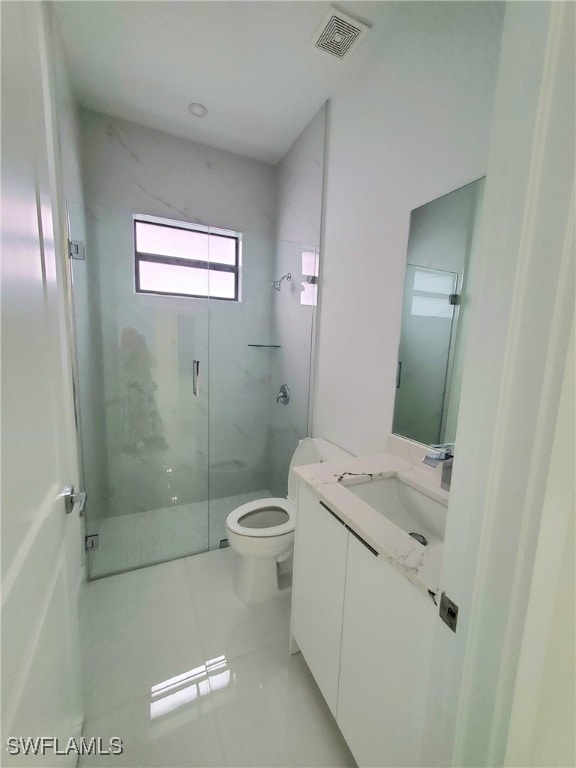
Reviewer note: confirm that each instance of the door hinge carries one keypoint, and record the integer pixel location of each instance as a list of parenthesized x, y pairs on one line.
[(454, 299), (448, 612), (76, 249), (91, 543)]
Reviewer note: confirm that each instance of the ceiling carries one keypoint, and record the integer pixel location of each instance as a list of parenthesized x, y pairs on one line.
[(251, 63)]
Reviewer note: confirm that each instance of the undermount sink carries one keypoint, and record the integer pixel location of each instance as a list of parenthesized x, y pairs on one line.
[(409, 509)]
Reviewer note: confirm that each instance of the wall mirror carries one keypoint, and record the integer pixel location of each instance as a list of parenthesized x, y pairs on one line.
[(438, 290)]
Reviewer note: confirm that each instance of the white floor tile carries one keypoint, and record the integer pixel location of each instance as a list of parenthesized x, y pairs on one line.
[(137, 629), (184, 733), (272, 714), (226, 625), (186, 675)]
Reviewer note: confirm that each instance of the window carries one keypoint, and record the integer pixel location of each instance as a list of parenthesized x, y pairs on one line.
[(173, 258), (309, 295)]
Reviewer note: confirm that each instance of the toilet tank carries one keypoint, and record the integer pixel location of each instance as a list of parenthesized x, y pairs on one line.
[(312, 450)]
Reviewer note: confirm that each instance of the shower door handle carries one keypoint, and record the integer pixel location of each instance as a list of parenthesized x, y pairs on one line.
[(195, 375)]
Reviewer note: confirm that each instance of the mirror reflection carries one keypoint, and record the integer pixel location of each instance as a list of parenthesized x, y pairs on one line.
[(438, 290)]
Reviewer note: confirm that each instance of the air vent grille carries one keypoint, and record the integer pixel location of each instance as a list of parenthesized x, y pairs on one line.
[(338, 34)]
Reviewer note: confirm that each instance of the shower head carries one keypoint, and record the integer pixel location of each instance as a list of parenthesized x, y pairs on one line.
[(277, 283)]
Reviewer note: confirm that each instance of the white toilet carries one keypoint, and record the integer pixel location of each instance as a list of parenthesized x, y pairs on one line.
[(262, 531)]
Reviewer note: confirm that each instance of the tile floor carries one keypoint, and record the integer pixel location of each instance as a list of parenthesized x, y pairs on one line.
[(185, 675), (141, 538)]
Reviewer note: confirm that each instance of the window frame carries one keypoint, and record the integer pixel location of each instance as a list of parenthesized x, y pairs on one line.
[(156, 258)]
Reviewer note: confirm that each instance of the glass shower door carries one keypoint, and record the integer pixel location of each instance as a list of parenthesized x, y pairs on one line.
[(179, 417), (258, 344), (241, 346), (142, 363)]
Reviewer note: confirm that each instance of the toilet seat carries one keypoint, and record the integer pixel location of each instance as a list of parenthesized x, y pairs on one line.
[(233, 521)]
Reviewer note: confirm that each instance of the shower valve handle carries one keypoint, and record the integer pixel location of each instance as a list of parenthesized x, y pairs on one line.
[(283, 395)]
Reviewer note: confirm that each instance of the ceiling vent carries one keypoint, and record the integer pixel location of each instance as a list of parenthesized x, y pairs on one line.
[(338, 34)]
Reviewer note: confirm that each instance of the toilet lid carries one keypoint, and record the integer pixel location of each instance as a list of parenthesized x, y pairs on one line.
[(234, 519)]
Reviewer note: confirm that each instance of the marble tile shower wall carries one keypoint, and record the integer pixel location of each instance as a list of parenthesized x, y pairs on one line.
[(299, 214), (158, 455)]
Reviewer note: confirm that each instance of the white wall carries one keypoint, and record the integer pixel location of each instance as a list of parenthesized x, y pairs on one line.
[(299, 212), (85, 329), (131, 169), (412, 131)]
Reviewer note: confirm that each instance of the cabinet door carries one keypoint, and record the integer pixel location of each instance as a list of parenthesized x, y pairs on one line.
[(318, 591), (385, 662)]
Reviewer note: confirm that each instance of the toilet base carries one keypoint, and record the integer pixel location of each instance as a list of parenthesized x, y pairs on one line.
[(257, 579)]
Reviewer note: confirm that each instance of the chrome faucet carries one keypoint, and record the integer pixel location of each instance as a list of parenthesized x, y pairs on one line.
[(443, 453)]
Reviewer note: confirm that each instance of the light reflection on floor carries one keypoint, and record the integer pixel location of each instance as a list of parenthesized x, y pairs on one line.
[(182, 689)]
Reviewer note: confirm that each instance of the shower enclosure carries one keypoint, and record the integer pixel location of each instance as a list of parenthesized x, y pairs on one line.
[(183, 340), (177, 395)]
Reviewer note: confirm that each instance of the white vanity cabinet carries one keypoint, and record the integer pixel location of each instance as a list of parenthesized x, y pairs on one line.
[(385, 662), (318, 591), (366, 634)]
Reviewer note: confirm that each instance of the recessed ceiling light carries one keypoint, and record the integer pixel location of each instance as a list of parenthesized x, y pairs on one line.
[(198, 110)]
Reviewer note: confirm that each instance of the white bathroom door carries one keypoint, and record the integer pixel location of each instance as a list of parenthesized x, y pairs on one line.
[(41, 543)]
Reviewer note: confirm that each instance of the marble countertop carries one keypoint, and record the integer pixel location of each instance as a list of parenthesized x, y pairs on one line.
[(328, 481)]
